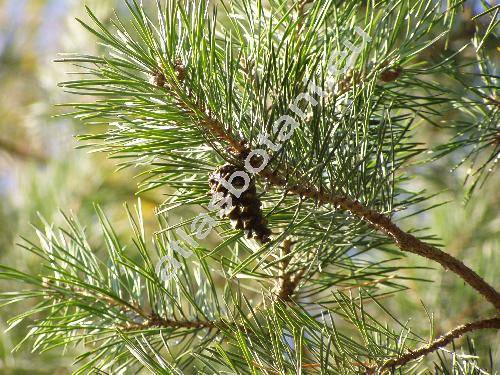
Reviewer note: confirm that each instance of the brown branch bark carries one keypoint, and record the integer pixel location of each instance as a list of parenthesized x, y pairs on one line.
[(156, 321), (493, 323)]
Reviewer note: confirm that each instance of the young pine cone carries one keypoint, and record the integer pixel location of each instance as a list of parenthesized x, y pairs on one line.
[(158, 78), (390, 75), (246, 213)]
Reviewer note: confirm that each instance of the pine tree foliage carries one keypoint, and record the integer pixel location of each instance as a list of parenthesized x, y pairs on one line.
[(477, 129), (182, 88)]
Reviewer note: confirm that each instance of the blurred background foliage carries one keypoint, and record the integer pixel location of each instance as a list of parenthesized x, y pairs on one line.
[(41, 171)]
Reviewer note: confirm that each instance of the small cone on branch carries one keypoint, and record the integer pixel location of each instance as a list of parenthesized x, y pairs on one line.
[(180, 70), (392, 74), (246, 213), (158, 78)]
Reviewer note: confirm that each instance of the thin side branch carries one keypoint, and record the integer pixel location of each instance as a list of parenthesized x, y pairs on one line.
[(156, 321), (61, 290), (288, 281), (493, 323), (148, 320)]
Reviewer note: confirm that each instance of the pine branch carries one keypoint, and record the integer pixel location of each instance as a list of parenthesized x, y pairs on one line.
[(493, 323), (403, 240), (151, 320), (156, 321), (83, 298), (62, 290), (198, 109)]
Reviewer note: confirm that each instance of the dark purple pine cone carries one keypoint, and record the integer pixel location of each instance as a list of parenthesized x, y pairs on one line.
[(246, 213)]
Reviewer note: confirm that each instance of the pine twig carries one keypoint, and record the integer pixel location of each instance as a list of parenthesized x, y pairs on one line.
[(288, 280), (60, 289), (156, 321), (493, 323), (150, 320)]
